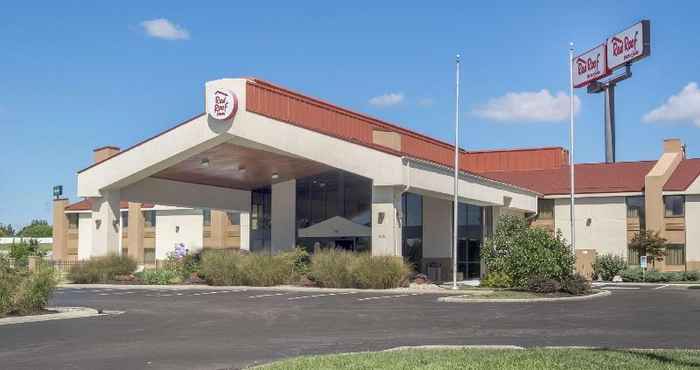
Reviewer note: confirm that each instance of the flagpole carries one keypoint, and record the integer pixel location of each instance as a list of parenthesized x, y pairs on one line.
[(455, 206), (572, 182)]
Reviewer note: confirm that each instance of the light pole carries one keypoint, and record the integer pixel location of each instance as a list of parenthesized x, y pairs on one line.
[(571, 148), (456, 183)]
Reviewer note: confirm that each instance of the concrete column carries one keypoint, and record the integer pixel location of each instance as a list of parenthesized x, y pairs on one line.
[(245, 230), (105, 217), (60, 230), (134, 240), (437, 235), (386, 225), (283, 215), (218, 228)]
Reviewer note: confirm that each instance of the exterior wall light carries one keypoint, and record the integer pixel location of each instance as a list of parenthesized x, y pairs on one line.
[(204, 162), (275, 176)]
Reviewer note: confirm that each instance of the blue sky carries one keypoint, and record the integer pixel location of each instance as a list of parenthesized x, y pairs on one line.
[(78, 75)]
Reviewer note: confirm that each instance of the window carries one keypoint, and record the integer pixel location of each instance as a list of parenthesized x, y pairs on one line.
[(675, 254), (635, 207), (412, 231), (150, 218), (125, 219), (675, 205), (73, 221), (234, 218), (545, 209), (206, 217), (632, 257)]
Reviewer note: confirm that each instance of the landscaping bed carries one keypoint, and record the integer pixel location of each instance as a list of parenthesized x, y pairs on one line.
[(520, 359)]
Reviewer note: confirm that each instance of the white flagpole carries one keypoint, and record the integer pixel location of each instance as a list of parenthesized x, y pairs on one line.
[(571, 147), (455, 221)]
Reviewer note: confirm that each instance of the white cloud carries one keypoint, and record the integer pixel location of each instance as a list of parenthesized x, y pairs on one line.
[(426, 102), (528, 106), (162, 28), (387, 100), (685, 106)]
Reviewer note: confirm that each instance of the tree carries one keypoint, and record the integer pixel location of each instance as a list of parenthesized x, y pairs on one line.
[(37, 229), (6, 230), (649, 243)]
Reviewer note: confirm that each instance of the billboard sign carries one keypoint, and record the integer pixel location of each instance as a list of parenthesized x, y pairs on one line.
[(590, 66), (629, 45)]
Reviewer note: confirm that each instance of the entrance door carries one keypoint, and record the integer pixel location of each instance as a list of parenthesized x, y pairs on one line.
[(473, 259), (469, 258)]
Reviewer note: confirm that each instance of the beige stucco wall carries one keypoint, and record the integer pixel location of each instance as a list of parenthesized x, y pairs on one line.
[(607, 231), (190, 230), (386, 235), (84, 235), (692, 231)]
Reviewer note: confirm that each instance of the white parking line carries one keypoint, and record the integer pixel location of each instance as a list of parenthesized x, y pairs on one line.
[(266, 295), (386, 297), (620, 288), (661, 287)]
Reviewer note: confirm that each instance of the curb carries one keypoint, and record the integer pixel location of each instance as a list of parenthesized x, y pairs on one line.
[(61, 314), (285, 288), (599, 294)]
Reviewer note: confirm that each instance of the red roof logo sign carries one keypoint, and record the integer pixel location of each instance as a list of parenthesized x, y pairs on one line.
[(222, 104)]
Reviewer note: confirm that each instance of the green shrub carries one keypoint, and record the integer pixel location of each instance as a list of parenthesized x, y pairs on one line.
[(522, 252), (102, 269), (632, 274), (221, 267), (237, 268), (496, 280), (23, 292), (22, 250), (34, 291), (542, 284), (183, 266), (608, 266), (379, 272), (576, 284), (655, 277), (674, 276), (161, 277), (691, 276), (332, 268)]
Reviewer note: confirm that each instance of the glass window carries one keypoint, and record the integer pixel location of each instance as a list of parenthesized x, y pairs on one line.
[(473, 215), (545, 209), (675, 205), (675, 254), (632, 257), (149, 218), (125, 219), (635, 207), (206, 217), (234, 218), (413, 209), (73, 220)]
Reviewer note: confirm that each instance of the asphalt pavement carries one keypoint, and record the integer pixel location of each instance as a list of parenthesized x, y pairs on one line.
[(228, 329)]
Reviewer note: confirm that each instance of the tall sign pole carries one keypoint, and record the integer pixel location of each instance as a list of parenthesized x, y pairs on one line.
[(572, 171), (455, 221)]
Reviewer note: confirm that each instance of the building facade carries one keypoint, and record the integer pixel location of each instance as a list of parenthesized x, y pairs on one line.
[(266, 169)]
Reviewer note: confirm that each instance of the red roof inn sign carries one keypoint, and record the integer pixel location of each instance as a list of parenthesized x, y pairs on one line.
[(222, 104), (618, 50)]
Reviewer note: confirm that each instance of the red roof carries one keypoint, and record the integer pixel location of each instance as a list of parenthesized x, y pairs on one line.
[(86, 205), (591, 178), (685, 174)]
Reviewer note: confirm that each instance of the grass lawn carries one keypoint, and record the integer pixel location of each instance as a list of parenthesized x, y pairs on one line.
[(500, 359)]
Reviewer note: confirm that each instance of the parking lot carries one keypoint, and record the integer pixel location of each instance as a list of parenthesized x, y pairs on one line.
[(231, 328)]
